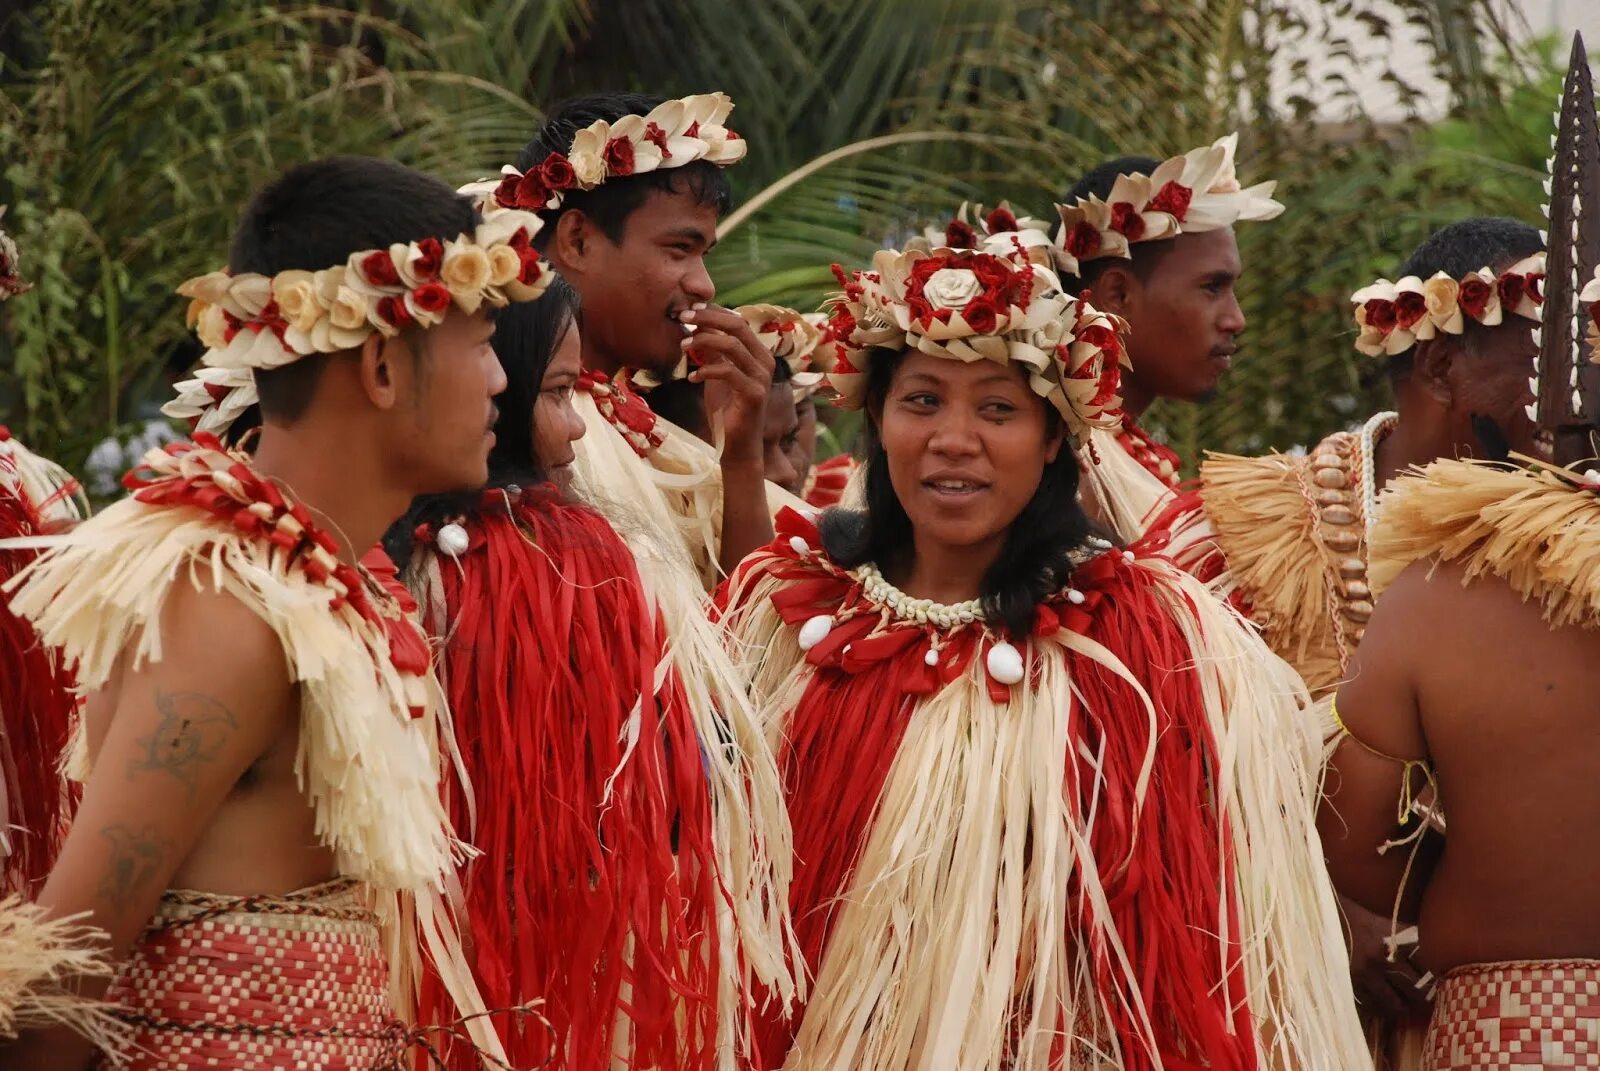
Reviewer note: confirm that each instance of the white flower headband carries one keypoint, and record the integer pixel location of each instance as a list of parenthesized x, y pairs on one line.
[(1189, 194), (252, 321), (970, 306), (1000, 231), (1394, 316), (11, 282), (673, 134)]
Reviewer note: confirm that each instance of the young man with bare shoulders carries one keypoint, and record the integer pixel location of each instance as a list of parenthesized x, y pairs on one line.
[(262, 812)]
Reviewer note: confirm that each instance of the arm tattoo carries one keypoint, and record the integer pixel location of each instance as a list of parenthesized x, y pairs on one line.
[(191, 732), (136, 857)]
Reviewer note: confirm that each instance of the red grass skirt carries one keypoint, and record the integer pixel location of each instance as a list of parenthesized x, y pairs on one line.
[(264, 982), (1538, 1013)]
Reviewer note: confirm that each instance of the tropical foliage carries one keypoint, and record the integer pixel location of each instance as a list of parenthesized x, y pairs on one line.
[(133, 131)]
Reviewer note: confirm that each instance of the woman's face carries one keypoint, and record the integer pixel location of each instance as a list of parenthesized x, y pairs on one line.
[(967, 445), (556, 424)]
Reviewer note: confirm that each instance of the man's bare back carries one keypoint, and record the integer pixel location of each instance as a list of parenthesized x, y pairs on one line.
[(1472, 678)]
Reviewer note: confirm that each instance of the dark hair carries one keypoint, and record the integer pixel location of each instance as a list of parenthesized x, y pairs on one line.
[(314, 216), (1462, 247), (682, 402), (1143, 256), (526, 335), (781, 372), (613, 201), (1036, 557)]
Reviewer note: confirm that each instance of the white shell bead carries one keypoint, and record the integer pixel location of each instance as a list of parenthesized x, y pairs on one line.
[(1075, 597), (931, 658), (1004, 663), (799, 545), (452, 539), (814, 631)]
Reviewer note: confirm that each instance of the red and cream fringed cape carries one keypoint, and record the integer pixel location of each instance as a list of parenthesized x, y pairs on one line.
[(37, 704), (600, 886), (1112, 864)]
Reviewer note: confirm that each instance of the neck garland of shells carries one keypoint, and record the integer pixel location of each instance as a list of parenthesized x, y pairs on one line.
[(1339, 470)]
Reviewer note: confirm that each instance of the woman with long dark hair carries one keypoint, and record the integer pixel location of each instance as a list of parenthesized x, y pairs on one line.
[(612, 846), (1052, 804)]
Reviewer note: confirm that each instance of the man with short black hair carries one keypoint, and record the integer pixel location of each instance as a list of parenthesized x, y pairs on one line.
[(1153, 242), (261, 817), (631, 188)]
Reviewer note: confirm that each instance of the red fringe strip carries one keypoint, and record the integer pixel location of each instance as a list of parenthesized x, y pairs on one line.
[(604, 908), (36, 718)]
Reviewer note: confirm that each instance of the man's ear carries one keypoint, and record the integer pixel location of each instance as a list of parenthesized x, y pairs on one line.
[(379, 359), (572, 246), (1431, 363), (1114, 290)]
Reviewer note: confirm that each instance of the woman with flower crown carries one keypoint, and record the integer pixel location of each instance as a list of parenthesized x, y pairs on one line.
[(1052, 807)]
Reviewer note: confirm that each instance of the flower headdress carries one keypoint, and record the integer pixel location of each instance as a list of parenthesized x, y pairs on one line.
[(1394, 316), (673, 134), (1189, 194), (11, 282), (999, 231), (971, 306), (792, 337), (251, 321)]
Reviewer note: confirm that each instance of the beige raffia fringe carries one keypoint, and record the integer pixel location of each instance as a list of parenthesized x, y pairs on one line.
[(39, 959), (1536, 527), (44, 483), (1269, 536), (368, 767), (951, 937), (754, 845), (1116, 490)]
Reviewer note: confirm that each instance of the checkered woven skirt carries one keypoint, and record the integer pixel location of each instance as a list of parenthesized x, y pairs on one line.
[(298, 981), (1539, 1013)]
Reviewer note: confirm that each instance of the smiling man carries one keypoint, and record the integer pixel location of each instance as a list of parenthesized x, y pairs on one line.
[(1153, 242)]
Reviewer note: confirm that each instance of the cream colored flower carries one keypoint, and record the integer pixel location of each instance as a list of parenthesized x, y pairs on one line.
[(1444, 309), (210, 324), (465, 269), (348, 310), (504, 265), (951, 288), (295, 292), (588, 154)]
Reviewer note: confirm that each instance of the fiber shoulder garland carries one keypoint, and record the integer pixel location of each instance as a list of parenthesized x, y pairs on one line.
[(370, 713), (37, 703), (1118, 491), (1112, 864), (39, 958), (1536, 527), (1279, 558), (601, 883)]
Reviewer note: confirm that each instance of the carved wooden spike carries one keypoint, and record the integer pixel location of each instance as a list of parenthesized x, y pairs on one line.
[(1573, 227)]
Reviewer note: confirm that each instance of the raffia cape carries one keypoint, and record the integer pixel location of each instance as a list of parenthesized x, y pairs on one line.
[(39, 958), (371, 712), (1537, 527), (37, 704), (984, 870), (1291, 531), (592, 775)]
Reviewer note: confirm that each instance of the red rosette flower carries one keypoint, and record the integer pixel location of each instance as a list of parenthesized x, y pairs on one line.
[(393, 311), (959, 234), (1173, 199), (505, 194), (1001, 219), (1381, 314), (618, 156), (379, 269), (694, 130), (1474, 297), (983, 312), (1512, 286), (532, 267), (841, 324), (431, 297), (658, 137), (1535, 281), (272, 319), (430, 256), (531, 192), (1099, 336), (1409, 308), (556, 173), (1084, 240), (1126, 221)]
